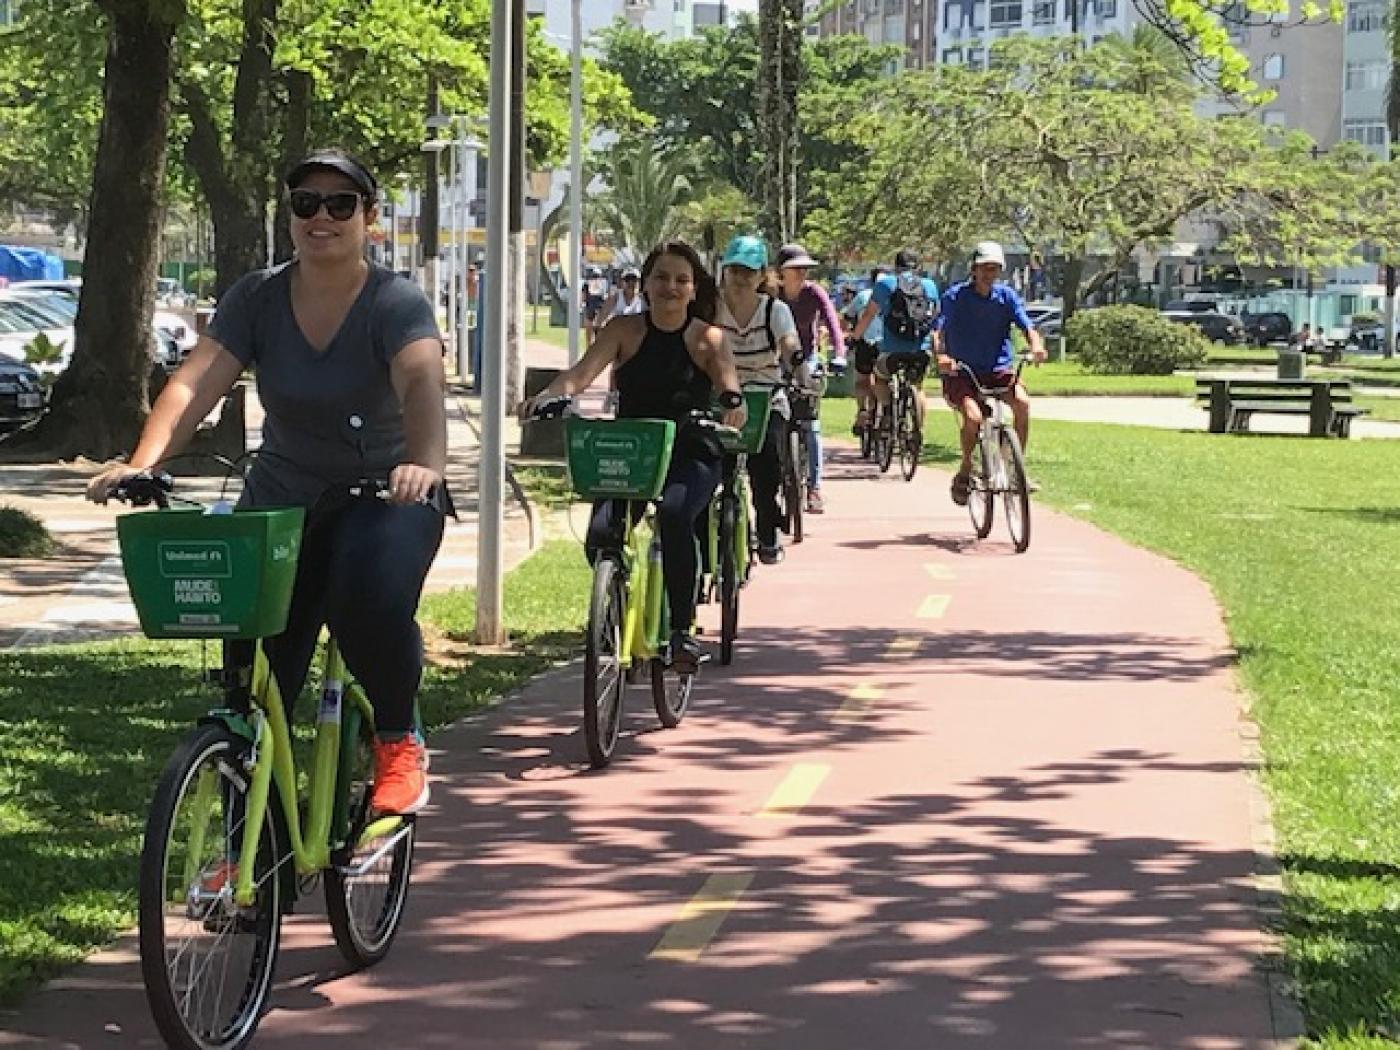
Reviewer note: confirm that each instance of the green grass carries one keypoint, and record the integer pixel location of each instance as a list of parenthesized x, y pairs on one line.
[(546, 333), (545, 483), (22, 535), (1297, 539), (85, 730)]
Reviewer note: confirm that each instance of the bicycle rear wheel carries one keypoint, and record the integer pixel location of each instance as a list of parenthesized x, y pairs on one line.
[(981, 498), (793, 483), (885, 437), (207, 962), (867, 438), (1017, 495), (911, 438), (670, 693), (367, 883), (603, 680)]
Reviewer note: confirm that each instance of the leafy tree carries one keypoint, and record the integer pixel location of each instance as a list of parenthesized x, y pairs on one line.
[(99, 402), (779, 81), (644, 189)]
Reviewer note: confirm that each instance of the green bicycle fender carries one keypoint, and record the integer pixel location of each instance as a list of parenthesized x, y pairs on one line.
[(235, 722)]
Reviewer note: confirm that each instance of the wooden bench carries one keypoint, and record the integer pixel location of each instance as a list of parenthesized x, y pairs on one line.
[(1232, 401)]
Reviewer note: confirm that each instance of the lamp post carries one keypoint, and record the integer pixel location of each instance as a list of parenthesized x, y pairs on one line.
[(489, 623), (431, 223), (574, 274)]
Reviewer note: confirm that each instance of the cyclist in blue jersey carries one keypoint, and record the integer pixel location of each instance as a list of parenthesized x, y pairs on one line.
[(906, 303), (974, 328)]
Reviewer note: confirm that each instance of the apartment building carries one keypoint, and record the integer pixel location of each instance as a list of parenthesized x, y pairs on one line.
[(908, 23)]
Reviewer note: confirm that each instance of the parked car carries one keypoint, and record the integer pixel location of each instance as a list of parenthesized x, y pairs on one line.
[(1222, 328), (173, 339), (1265, 328), (22, 394), (22, 319), (1195, 306), (1048, 320)]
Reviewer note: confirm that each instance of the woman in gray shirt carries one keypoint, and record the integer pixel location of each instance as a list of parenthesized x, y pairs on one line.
[(349, 369)]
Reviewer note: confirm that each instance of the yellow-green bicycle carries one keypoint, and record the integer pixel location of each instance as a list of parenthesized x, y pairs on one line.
[(227, 847)]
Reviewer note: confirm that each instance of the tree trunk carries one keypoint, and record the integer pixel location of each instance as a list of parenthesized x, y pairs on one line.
[(1074, 274), (296, 143), (100, 401), (780, 73), (237, 179)]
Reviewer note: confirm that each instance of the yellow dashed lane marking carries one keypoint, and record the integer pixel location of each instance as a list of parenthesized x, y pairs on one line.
[(702, 917), (858, 702), (935, 605), (903, 648), (938, 571), (795, 791)]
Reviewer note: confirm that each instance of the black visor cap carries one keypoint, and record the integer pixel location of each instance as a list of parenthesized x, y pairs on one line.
[(333, 160)]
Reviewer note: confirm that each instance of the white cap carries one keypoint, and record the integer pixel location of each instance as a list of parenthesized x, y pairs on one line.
[(988, 251)]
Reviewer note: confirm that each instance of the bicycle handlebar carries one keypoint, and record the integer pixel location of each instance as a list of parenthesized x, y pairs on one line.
[(558, 407)]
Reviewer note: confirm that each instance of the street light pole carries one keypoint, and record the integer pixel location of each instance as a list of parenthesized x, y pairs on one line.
[(574, 274), (489, 625)]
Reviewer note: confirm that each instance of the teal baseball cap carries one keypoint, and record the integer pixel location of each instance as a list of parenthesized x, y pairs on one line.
[(746, 251)]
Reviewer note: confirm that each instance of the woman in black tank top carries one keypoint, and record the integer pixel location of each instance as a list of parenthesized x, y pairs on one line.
[(667, 361)]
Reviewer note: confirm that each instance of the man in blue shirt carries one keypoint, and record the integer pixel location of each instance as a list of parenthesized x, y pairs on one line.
[(906, 303), (974, 329)]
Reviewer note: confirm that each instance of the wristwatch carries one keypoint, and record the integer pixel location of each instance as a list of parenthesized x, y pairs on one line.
[(730, 399)]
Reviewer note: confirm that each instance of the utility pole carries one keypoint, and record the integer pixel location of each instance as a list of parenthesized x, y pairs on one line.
[(574, 272), (428, 219), (490, 628), (515, 364)]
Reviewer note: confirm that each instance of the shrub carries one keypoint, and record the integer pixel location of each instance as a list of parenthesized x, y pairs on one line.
[(1131, 340), (22, 535)]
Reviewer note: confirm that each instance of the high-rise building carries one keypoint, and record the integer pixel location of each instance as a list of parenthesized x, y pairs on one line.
[(9, 12), (671, 18)]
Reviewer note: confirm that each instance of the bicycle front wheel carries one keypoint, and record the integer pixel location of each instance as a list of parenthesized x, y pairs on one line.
[(728, 581), (603, 679), (911, 438), (1017, 495), (367, 883), (981, 497), (207, 961), (793, 484)]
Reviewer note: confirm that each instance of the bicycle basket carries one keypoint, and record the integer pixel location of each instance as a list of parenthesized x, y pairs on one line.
[(197, 575), (619, 458), (757, 403)]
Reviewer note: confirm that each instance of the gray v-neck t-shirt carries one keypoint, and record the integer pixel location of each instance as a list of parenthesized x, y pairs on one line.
[(332, 416)]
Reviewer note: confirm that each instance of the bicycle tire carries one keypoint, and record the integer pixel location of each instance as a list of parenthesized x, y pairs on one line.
[(1017, 496), (911, 443), (604, 683), (670, 695), (981, 499), (209, 762), (792, 484), (364, 922), (728, 581), (867, 440), (884, 441)]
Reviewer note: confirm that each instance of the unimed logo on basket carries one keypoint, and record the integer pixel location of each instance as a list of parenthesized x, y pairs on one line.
[(616, 454), (195, 559)]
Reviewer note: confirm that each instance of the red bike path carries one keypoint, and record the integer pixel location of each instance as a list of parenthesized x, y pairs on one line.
[(947, 796)]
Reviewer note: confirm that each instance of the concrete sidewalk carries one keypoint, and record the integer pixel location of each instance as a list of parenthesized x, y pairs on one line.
[(1178, 413), (945, 797)]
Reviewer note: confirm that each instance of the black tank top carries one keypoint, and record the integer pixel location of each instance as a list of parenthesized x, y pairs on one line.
[(661, 380)]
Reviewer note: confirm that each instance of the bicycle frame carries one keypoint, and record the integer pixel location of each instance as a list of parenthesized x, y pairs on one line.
[(734, 486), (644, 621), (272, 761)]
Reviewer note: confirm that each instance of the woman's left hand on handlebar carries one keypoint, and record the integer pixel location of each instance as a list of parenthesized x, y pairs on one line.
[(735, 417), (411, 483)]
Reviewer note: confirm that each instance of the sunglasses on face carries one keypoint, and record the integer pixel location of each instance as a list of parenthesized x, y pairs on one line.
[(339, 206)]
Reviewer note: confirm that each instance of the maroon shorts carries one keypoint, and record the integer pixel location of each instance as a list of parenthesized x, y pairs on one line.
[(958, 387)]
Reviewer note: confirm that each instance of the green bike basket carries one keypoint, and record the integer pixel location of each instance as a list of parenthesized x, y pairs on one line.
[(758, 403), (197, 575), (619, 458)]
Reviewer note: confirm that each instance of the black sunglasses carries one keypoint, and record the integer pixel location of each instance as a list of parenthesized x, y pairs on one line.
[(339, 206)]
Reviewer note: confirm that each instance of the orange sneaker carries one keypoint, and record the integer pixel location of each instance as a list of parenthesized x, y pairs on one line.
[(400, 776)]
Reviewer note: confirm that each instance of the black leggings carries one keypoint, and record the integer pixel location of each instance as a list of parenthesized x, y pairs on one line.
[(361, 573), (766, 473), (690, 484)]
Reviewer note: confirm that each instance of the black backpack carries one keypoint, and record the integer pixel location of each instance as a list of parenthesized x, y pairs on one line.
[(911, 313)]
